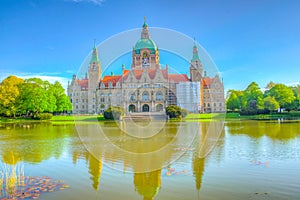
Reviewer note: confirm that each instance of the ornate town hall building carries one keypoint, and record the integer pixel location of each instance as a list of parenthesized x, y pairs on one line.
[(146, 87)]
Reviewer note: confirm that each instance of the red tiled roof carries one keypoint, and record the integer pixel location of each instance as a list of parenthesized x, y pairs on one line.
[(138, 73), (152, 73), (112, 79), (207, 81), (165, 73), (178, 78), (83, 83)]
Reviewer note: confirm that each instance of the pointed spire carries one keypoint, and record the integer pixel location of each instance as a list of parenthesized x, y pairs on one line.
[(95, 43), (145, 33), (95, 58), (195, 53), (145, 24)]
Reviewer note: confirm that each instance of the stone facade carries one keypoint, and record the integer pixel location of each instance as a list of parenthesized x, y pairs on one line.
[(146, 87)]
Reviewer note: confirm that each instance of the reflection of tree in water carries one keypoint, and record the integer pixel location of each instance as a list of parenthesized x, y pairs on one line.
[(273, 129), (147, 184), (32, 142)]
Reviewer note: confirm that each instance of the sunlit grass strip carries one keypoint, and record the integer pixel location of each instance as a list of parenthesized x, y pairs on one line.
[(78, 118)]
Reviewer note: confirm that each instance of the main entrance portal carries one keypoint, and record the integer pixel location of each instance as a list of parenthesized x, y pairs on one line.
[(131, 108), (145, 108)]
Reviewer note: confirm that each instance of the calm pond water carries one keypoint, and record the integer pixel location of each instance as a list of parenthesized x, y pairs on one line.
[(234, 160)]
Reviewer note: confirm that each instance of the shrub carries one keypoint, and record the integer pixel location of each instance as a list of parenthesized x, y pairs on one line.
[(250, 111), (42, 116), (114, 112), (176, 112)]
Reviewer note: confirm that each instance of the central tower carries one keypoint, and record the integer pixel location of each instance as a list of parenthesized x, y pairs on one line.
[(145, 52)]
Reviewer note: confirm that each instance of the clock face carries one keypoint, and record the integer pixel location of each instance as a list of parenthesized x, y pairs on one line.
[(145, 60)]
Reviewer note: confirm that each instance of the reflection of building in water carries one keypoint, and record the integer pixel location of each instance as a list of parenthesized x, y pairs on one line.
[(147, 184), (198, 161), (94, 165), (146, 87), (198, 170), (209, 139), (95, 169)]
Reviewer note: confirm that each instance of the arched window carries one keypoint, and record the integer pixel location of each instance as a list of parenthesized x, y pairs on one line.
[(118, 85), (109, 97), (145, 96), (102, 98), (208, 105), (119, 96), (132, 97), (159, 96)]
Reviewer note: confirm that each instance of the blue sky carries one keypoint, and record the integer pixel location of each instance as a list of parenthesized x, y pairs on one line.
[(255, 40)]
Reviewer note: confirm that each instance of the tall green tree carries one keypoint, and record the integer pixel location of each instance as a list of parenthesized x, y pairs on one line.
[(283, 95), (62, 100), (234, 100), (294, 105), (253, 94), (9, 92), (33, 98), (270, 103), (270, 85)]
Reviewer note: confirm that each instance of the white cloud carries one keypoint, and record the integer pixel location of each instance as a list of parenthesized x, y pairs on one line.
[(96, 2), (293, 84)]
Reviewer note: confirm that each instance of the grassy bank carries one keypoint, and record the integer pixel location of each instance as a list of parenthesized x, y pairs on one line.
[(55, 119), (77, 118), (233, 116), (69, 119)]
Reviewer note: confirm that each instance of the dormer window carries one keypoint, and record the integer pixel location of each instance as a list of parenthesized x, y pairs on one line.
[(110, 85), (102, 86)]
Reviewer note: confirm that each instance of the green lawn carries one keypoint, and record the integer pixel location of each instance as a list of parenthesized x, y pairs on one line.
[(77, 118), (228, 116), (70, 119)]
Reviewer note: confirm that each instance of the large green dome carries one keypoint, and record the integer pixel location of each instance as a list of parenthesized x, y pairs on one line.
[(145, 43)]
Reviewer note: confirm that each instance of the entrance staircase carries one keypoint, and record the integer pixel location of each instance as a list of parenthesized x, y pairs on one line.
[(145, 116)]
